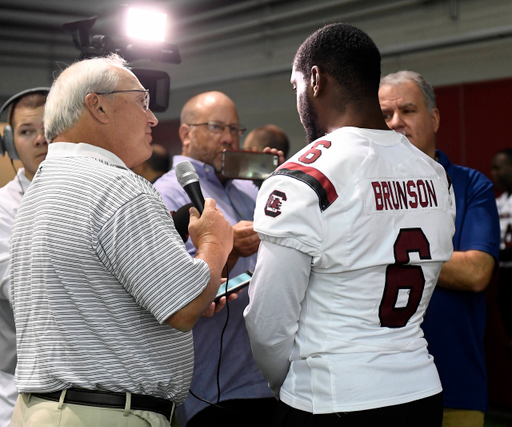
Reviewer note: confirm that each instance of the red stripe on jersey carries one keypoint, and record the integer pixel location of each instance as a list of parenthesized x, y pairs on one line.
[(329, 189)]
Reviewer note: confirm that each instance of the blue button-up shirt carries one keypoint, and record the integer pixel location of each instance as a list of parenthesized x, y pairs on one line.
[(455, 321), (240, 377)]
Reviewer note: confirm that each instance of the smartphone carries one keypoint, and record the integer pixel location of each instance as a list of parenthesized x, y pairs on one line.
[(248, 164), (234, 284)]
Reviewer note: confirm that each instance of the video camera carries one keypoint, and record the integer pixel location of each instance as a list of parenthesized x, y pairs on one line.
[(158, 82)]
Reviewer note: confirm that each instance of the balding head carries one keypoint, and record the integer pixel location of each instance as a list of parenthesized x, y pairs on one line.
[(267, 136), (204, 102), (205, 142)]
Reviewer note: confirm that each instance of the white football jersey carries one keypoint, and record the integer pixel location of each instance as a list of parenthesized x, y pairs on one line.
[(377, 217)]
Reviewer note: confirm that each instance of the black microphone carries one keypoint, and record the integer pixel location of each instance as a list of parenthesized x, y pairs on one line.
[(189, 180)]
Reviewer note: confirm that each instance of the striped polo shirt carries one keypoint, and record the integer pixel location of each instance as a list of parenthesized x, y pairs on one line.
[(96, 268)]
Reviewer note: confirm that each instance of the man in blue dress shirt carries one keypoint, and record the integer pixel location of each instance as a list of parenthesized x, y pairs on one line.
[(455, 321), (210, 124)]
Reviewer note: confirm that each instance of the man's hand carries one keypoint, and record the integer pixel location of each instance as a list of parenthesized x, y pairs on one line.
[(246, 240), (275, 152), (212, 235), (245, 243), (211, 229), (216, 307)]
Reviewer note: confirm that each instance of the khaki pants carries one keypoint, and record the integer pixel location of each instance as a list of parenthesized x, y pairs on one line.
[(462, 418), (33, 411)]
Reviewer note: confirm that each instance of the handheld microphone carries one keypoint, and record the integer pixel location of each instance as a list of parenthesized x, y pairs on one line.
[(189, 180)]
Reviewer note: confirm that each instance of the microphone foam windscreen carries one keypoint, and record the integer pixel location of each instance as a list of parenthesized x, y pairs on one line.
[(186, 173), (181, 219)]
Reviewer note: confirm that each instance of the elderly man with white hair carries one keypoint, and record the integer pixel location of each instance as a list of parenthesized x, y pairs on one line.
[(104, 292)]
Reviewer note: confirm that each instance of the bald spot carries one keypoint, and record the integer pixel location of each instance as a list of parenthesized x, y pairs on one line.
[(204, 102)]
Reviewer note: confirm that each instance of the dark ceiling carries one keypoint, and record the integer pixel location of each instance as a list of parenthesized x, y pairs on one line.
[(32, 33)]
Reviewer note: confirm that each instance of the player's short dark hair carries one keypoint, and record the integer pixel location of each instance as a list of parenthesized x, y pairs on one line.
[(347, 54)]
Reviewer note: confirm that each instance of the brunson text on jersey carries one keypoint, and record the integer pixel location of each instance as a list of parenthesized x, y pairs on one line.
[(404, 194)]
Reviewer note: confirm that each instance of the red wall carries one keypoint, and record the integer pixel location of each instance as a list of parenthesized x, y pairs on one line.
[(475, 122)]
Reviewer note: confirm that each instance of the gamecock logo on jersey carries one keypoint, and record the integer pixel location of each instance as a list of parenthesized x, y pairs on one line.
[(274, 203)]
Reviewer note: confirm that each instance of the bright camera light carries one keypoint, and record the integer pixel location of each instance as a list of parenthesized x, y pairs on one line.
[(146, 24)]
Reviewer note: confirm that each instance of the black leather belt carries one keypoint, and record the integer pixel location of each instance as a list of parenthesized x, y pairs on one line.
[(111, 400)]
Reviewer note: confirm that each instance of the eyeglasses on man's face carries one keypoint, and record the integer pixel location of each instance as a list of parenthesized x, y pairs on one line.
[(218, 127), (144, 101)]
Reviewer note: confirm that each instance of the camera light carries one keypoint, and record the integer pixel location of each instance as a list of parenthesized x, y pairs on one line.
[(146, 24)]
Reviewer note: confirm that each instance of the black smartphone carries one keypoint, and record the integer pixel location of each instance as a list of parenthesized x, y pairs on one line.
[(248, 164), (234, 284)]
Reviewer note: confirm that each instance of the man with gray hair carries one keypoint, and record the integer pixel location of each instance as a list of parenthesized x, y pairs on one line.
[(455, 320), (103, 290)]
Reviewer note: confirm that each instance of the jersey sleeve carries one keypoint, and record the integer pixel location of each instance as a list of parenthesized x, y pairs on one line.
[(140, 247), (272, 316), (288, 213)]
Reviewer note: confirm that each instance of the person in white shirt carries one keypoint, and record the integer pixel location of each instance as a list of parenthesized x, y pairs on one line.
[(355, 228), (23, 139), (103, 290)]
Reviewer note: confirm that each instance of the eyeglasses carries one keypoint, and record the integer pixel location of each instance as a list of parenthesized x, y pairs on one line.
[(145, 101), (218, 127)]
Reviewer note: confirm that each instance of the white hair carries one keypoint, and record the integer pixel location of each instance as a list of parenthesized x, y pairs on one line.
[(66, 99), (406, 76)]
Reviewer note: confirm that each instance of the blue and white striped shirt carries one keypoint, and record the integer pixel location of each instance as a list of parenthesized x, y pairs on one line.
[(97, 267)]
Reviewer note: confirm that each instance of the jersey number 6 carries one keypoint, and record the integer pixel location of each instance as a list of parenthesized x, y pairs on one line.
[(314, 153), (404, 278)]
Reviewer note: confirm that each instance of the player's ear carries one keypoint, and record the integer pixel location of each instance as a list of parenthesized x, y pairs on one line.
[(316, 80)]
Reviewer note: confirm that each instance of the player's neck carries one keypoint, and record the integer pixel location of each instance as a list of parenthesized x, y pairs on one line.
[(367, 115)]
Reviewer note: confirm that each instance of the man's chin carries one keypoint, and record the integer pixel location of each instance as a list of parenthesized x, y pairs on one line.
[(39, 160)]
